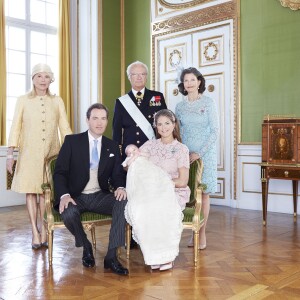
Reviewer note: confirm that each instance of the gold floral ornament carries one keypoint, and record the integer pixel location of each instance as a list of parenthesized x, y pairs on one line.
[(211, 51), (292, 4), (175, 58)]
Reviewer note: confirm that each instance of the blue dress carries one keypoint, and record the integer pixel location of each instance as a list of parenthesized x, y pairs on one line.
[(199, 128)]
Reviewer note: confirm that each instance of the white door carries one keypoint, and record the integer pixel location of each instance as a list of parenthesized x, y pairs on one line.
[(210, 50)]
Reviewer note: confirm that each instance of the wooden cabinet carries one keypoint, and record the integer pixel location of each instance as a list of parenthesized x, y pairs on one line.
[(280, 155)]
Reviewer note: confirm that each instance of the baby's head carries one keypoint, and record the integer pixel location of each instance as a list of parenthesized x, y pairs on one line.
[(131, 150)]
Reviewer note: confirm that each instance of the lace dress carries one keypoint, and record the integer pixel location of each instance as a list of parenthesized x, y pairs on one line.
[(199, 126), (153, 207)]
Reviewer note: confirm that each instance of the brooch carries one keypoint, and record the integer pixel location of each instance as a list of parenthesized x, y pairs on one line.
[(155, 101)]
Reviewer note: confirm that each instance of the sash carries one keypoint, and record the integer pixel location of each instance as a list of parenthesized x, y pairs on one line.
[(137, 116)]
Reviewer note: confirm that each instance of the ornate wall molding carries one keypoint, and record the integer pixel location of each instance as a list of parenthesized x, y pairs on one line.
[(181, 4), (197, 18), (292, 4)]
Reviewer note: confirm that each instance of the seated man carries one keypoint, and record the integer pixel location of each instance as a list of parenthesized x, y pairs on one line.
[(81, 183)]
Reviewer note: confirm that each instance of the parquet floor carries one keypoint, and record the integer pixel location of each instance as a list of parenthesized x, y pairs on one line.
[(243, 260)]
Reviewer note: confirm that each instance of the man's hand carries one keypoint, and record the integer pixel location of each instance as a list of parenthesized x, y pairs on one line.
[(120, 194), (64, 202), (193, 156)]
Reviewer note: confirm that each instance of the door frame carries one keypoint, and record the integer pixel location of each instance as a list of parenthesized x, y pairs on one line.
[(200, 18)]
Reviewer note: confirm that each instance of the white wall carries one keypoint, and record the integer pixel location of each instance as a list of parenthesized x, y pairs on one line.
[(7, 198)]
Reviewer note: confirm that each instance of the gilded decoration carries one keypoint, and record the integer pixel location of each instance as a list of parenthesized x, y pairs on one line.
[(211, 88), (175, 92), (292, 4), (211, 51), (180, 4), (175, 58), (197, 18)]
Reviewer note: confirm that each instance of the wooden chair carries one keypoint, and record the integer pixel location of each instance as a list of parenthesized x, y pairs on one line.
[(193, 216), (52, 219)]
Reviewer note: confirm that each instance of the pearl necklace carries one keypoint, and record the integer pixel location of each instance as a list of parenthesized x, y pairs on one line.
[(194, 100)]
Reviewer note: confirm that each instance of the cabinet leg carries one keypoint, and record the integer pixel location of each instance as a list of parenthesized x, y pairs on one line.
[(264, 192), (295, 197)]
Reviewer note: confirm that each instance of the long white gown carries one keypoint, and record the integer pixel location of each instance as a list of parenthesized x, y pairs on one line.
[(153, 211)]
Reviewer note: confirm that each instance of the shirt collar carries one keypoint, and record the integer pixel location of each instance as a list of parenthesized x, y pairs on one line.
[(91, 138), (142, 91)]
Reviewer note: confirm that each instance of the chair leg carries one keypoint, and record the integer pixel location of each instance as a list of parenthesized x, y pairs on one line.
[(93, 237), (128, 237), (50, 246), (196, 246)]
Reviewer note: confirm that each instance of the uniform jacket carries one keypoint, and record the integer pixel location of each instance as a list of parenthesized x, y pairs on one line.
[(125, 130), (72, 169)]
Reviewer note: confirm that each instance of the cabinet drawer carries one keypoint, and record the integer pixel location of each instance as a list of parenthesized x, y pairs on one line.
[(284, 173)]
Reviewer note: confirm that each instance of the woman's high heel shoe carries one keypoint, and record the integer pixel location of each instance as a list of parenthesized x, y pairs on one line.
[(202, 247), (36, 246), (167, 266), (191, 244), (45, 244), (155, 267)]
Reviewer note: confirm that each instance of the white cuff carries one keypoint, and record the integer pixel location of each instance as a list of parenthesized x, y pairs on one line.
[(64, 196)]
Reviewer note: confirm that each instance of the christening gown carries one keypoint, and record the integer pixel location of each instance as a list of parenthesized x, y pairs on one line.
[(154, 208), (199, 127)]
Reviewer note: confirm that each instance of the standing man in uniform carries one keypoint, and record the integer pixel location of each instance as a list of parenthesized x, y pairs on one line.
[(133, 116)]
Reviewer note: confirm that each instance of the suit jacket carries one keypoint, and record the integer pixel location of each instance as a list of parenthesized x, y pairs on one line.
[(125, 130), (72, 169)]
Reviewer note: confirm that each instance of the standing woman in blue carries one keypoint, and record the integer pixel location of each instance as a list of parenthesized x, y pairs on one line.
[(199, 125)]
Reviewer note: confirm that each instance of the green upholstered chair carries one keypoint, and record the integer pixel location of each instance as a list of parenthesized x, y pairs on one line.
[(193, 216), (52, 219)]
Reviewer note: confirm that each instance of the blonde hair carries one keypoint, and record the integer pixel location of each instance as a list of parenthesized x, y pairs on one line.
[(41, 68)]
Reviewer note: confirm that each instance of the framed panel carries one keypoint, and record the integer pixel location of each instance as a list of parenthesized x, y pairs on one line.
[(220, 194), (215, 90), (172, 94), (175, 56), (211, 51)]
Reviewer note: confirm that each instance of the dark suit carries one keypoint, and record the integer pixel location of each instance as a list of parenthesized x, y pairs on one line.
[(72, 172), (125, 130)]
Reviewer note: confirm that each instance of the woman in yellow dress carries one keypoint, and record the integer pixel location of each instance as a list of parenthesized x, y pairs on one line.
[(38, 128)]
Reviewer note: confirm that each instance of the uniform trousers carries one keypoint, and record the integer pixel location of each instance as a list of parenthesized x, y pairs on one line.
[(101, 203)]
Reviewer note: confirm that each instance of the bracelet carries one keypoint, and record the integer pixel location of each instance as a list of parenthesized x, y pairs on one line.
[(121, 188), (9, 156)]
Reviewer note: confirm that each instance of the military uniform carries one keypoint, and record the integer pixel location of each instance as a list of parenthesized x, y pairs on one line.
[(125, 129)]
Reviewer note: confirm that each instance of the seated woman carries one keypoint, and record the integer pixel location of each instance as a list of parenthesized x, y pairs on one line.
[(157, 192)]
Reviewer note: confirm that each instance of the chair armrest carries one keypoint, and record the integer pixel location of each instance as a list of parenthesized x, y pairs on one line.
[(198, 207)]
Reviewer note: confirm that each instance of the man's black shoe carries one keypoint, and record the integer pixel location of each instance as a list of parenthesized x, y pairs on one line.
[(88, 259), (115, 266)]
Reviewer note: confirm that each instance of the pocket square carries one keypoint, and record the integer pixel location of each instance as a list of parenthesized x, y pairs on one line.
[(111, 155)]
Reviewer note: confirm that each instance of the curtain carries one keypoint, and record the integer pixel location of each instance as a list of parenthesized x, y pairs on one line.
[(65, 59), (2, 75)]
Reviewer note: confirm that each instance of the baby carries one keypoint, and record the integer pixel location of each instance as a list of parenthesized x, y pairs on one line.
[(149, 190), (132, 152)]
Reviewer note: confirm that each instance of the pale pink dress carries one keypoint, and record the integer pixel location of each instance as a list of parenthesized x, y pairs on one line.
[(170, 157), (154, 208)]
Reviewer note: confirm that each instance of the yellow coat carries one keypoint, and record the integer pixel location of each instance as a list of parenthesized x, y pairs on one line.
[(39, 126)]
